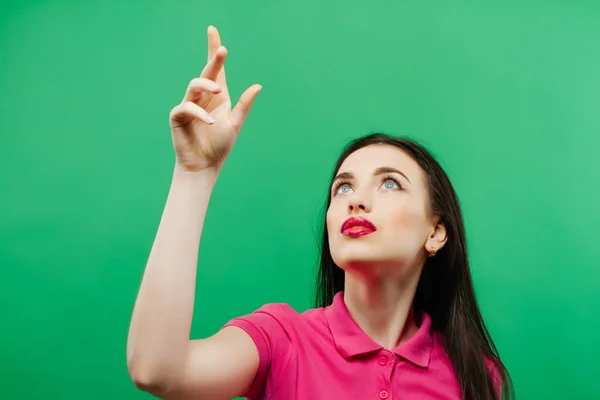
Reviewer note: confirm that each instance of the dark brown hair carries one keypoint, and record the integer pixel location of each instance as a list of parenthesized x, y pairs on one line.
[(445, 289)]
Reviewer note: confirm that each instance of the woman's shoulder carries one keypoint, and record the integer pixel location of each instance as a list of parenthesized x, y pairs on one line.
[(288, 312), (284, 317)]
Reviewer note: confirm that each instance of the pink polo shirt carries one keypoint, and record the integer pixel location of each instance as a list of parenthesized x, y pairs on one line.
[(323, 354)]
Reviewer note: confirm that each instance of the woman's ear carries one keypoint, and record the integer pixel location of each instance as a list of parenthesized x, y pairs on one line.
[(437, 238)]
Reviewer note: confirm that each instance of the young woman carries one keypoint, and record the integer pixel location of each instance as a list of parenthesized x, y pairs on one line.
[(396, 314)]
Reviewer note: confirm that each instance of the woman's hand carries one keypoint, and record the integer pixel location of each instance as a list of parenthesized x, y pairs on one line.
[(203, 126)]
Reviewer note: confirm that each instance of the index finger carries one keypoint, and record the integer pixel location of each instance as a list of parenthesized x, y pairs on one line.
[(214, 41)]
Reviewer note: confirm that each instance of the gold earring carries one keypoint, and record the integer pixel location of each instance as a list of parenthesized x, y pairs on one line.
[(432, 252)]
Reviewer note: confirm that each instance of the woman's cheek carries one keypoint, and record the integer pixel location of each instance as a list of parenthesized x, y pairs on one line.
[(408, 224)]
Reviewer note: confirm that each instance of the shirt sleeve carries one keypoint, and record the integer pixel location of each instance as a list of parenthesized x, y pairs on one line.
[(267, 328)]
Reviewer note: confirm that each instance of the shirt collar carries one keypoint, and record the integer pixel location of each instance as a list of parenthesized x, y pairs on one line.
[(350, 340)]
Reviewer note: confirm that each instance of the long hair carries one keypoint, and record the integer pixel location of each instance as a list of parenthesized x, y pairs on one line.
[(445, 290)]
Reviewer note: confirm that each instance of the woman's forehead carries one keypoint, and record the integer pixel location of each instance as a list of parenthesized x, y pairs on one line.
[(367, 159)]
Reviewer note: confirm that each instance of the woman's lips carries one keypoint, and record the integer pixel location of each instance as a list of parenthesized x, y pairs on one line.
[(355, 227)]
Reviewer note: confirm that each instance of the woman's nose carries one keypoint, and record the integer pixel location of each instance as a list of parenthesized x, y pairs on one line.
[(357, 203)]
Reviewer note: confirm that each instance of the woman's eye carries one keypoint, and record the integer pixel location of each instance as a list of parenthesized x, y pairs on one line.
[(390, 184), (344, 188)]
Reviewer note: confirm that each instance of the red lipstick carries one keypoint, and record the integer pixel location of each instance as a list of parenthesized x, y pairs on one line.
[(355, 227)]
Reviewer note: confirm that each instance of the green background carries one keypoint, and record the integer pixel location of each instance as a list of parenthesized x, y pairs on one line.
[(507, 96)]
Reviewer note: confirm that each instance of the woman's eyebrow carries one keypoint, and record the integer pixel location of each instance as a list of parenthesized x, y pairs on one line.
[(378, 171), (384, 170), (343, 175)]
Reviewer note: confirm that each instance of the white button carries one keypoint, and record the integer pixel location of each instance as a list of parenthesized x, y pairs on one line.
[(383, 394)]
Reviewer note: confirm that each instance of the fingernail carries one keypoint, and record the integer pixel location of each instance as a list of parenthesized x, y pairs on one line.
[(210, 120)]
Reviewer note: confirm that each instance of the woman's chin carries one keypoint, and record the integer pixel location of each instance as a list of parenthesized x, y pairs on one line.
[(360, 261)]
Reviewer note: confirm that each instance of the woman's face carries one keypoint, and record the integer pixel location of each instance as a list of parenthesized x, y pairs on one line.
[(387, 187)]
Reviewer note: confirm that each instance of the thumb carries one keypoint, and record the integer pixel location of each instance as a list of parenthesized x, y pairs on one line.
[(242, 108)]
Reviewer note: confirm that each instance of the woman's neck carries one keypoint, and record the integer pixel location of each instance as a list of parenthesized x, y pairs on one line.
[(383, 308)]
